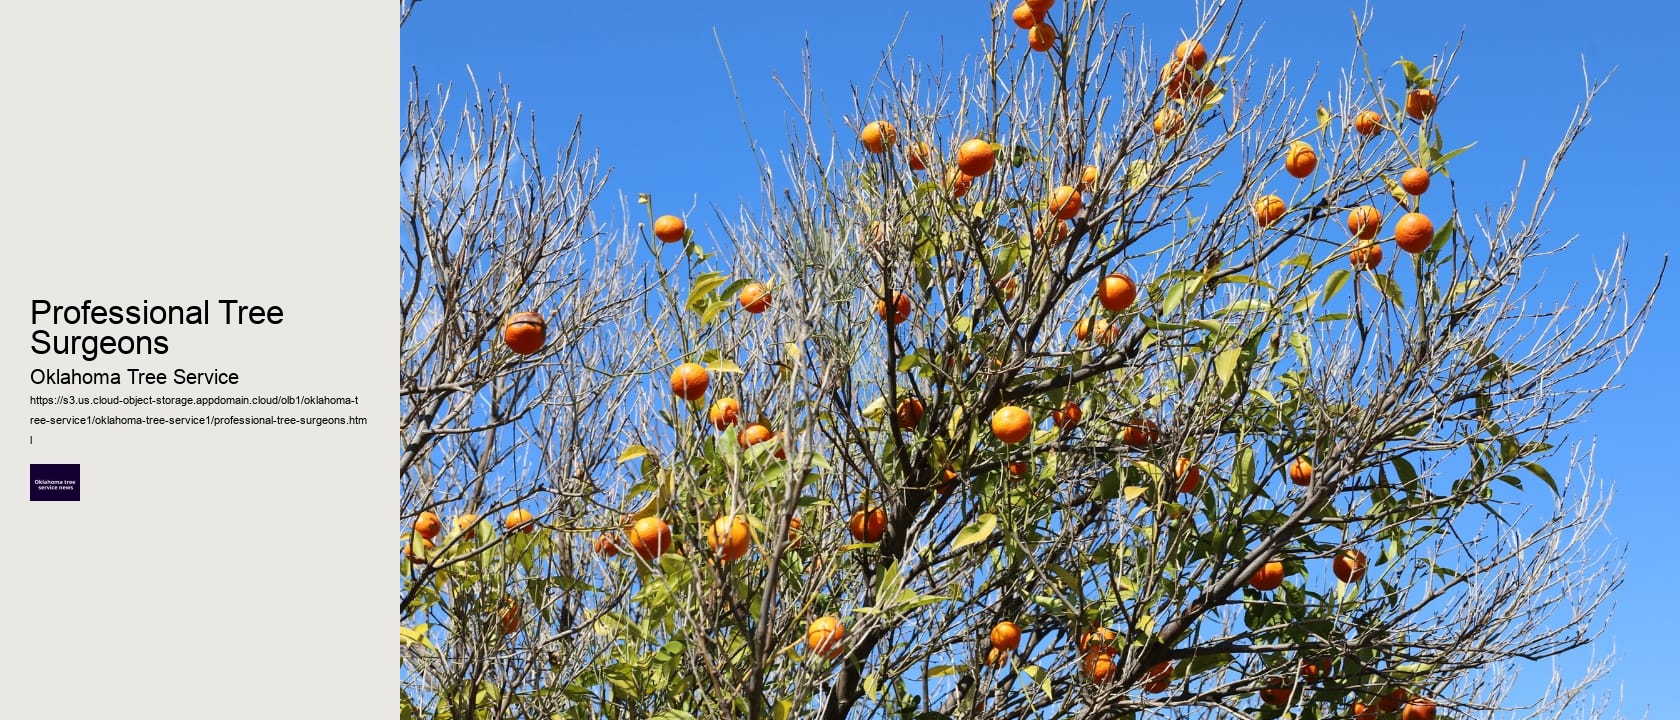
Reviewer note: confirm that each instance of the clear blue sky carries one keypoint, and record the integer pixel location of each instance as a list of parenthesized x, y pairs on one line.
[(649, 84)]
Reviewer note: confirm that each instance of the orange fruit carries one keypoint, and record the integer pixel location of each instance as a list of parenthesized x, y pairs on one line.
[(958, 182), (1415, 181), (1041, 37), (1116, 292), (689, 381), (1008, 286), (793, 534), (1368, 123), (1169, 122), (868, 525), (1019, 469), (1368, 255), (1414, 232), (1100, 640), (729, 537), (523, 332), (1011, 424), (975, 157), (508, 620), (1309, 671), (1040, 6), (428, 525), (426, 548), (1189, 476), (606, 545), (901, 308), (1392, 701), (996, 657), (1088, 178), (1361, 711), (1300, 471), (1100, 666), (1268, 209), (1191, 53), (950, 483), (824, 636), (1052, 231), (1364, 222), (1176, 78), (1104, 332), (754, 434), (1065, 202), (1268, 577), (724, 412), (1300, 160), (878, 136), (909, 412), (1420, 104), (1275, 693), (520, 519), (755, 298), (669, 228), (1068, 416), (1025, 17), (1140, 433), (465, 522), (650, 537), (1158, 677), (1006, 636), (919, 154), (1418, 708), (1349, 566)]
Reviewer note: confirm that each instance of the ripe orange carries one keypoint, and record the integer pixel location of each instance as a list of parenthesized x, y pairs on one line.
[(824, 636), (1158, 677), (426, 548), (669, 228), (781, 444), (1116, 292), (724, 412), (1011, 424), (1268, 577), (754, 434), (1418, 708), (1008, 286), (901, 308), (1414, 232), (1025, 17), (950, 483), (1364, 222), (1300, 160), (650, 537), (1104, 332), (523, 332), (1019, 468), (1361, 711), (508, 621), (1065, 202), (918, 154), (606, 545), (1176, 78), (1006, 636), (1041, 6), (1189, 476), (1192, 53), (1140, 433), (909, 412), (729, 537), (1068, 416), (1268, 209), (1415, 181), (1275, 692), (1309, 671), (793, 533), (1088, 178), (1300, 471), (1041, 37), (868, 525), (1368, 123), (689, 381), (428, 525), (519, 519), (975, 157), (1100, 666), (464, 523), (1349, 566), (878, 136), (957, 182), (1052, 231), (1368, 255), (1420, 104), (755, 298), (1169, 122), (1392, 700)]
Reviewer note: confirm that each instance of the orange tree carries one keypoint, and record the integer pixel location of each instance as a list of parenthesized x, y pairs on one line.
[(1099, 378)]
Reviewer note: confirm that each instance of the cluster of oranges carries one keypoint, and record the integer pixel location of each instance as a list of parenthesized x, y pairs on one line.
[(1030, 16), (421, 542)]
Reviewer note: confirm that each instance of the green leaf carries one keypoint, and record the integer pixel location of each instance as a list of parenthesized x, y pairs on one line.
[(976, 531), (632, 452), (1389, 288), (1334, 283), (1442, 237), (941, 671), (1540, 471), (1041, 677), (723, 366), (1225, 365)]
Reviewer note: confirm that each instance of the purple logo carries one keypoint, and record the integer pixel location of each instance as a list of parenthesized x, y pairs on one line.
[(55, 482)]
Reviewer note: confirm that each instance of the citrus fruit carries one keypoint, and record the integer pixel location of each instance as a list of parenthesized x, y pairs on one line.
[(1011, 424), (689, 381), (523, 332), (669, 228)]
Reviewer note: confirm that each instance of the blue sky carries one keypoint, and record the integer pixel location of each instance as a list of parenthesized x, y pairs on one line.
[(648, 81)]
